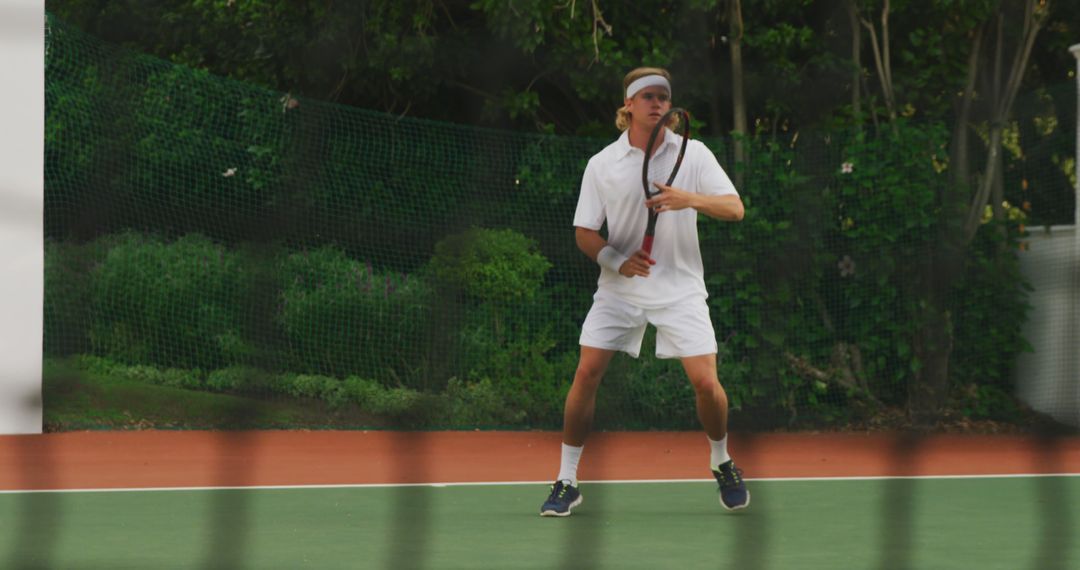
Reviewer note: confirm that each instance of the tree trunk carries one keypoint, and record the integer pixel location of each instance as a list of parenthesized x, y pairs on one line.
[(959, 159), (883, 62), (997, 192), (738, 98), (856, 61), (982, 193), (933, 347), (712, 68)]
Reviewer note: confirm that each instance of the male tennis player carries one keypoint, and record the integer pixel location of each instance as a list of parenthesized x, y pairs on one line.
[(666, 289)]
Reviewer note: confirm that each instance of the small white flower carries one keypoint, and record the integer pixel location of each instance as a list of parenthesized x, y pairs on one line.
[(289, 102), (229, 172), (847, 167), (846, 266)]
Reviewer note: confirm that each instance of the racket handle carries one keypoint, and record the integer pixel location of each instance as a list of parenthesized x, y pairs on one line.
[(646, 244)]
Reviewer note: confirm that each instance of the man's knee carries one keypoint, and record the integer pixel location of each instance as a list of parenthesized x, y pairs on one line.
[(591, 366), (706, 384), (589, 373)]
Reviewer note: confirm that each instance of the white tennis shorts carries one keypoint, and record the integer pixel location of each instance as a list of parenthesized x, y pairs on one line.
[(682, 329)]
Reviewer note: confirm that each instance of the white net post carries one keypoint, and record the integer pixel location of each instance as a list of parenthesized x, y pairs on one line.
[(22, 203), (1076, 249)]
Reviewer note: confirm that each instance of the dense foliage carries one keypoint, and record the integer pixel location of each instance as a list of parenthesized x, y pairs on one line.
[(216, 235), (814, 301)]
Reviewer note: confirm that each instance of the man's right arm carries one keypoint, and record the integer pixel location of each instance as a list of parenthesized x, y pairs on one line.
[(592, 244)]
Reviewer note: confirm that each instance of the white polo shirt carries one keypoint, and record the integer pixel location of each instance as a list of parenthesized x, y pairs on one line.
[(611, 190)]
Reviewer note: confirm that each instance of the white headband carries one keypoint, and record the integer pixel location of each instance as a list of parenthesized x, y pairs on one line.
[(647, 81)]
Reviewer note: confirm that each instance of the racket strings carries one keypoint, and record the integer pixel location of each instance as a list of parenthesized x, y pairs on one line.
[(660, 166)]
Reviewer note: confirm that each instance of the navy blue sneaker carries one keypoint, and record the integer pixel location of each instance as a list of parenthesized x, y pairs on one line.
[(733, 492), (563, 497)]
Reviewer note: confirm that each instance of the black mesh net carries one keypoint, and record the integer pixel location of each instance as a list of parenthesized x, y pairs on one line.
[(208, 235)]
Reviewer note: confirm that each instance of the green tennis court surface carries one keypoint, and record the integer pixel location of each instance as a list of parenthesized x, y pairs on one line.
[(1022, 522)]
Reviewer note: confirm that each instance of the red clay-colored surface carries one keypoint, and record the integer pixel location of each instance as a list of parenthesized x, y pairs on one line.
[(82, 460)]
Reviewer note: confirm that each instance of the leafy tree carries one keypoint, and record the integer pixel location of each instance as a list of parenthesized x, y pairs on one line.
[(557, 64), (963, 202)]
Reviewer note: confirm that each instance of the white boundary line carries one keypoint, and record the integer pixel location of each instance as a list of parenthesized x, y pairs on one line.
[(509, 483)]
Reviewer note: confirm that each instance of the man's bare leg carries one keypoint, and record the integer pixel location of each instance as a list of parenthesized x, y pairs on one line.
[(712, 408), (712, 402), (577, 421), (581, 401)]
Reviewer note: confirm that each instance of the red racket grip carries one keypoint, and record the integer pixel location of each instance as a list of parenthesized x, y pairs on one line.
[(646, 244)]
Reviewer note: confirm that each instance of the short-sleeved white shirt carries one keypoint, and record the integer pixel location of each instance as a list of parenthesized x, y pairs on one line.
[(611, 191)]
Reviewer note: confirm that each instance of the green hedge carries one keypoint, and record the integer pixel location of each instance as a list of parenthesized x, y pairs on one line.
[(814, 297), (178, 304), (186, 313), (461, 405), (340, 316)]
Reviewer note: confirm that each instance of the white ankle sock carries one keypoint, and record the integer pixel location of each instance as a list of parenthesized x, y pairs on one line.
[(719, 452), (568, 467)]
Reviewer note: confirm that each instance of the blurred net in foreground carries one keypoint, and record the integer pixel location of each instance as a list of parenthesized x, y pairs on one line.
[(208, 235)]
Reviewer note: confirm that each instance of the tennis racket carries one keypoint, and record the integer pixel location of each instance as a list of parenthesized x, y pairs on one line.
[(665, 165)]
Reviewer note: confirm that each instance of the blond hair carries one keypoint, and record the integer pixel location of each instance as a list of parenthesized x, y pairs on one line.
[(622, 116)]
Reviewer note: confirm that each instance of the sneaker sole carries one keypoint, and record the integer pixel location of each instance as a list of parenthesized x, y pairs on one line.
[(738, 508), (576, 502)]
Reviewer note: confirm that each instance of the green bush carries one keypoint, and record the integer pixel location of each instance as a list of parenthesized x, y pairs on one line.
[(94, 364), (503, 334), (309, 386), (521, 366), (463, 404), (988, 402), (480, 404), (646, 392), (991, 307), (193, 379), (171, 377), (887, 225), (823, 275), (341, 317), (176, 304), (763, 276), (68, 310), (363, 392), (495, 266), (74, 147), (238, 379), (502, 325)]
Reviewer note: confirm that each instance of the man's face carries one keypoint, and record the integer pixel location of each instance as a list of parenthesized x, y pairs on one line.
[(649, 104)]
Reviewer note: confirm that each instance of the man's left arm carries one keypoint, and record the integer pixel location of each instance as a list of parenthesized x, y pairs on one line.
[(727, 207)]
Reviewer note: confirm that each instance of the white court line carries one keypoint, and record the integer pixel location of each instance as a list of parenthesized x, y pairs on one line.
[(508, 483)]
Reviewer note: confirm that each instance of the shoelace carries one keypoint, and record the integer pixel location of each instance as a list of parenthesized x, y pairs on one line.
[(731, 476), (557, 493)]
